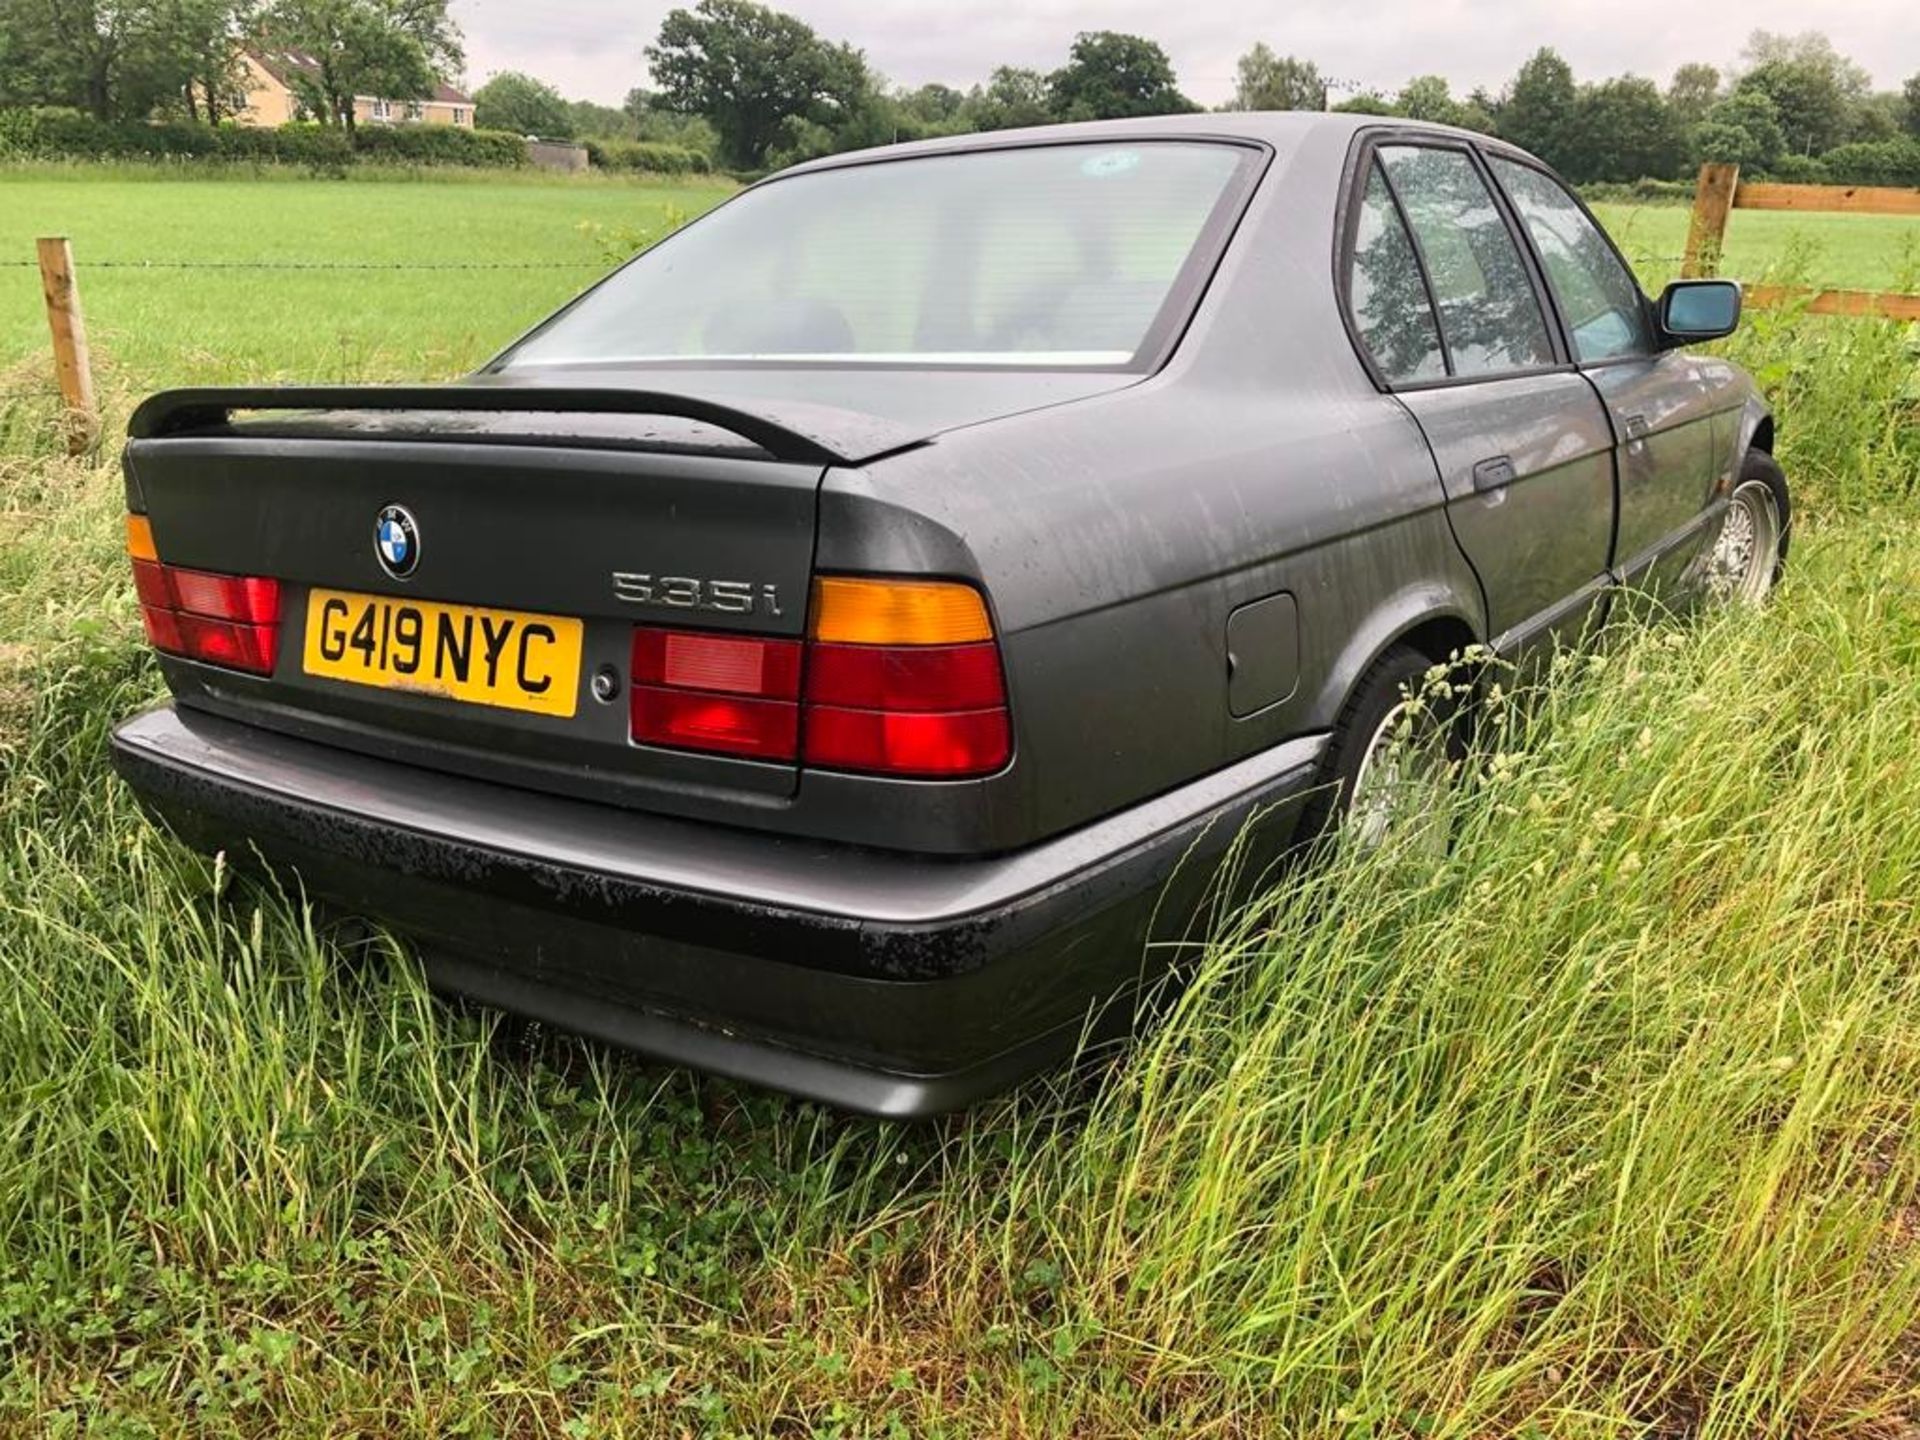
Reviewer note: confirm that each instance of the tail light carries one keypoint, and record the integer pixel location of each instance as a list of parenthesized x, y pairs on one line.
[(896, 678), (227, 620), (735, 695)]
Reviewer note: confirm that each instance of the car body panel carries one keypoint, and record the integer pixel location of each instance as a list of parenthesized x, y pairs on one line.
[(1188, 563), (1663, 411), (1539, 526)]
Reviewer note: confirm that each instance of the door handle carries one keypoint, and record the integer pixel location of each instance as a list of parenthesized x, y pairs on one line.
[(1494, 473), (1636, 426)]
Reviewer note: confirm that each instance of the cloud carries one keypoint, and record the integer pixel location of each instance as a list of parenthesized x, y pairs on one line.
[(592, 49)]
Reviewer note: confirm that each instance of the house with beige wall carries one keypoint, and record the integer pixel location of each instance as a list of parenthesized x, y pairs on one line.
[(271, 99)]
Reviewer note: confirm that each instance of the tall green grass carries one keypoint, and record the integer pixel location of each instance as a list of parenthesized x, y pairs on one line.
[(1600, 1127)]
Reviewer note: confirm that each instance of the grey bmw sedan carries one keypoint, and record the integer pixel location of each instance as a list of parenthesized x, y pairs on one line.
[(829, 650)]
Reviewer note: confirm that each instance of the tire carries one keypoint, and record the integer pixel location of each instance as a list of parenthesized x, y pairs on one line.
[(1749, 553), (1369, 730)]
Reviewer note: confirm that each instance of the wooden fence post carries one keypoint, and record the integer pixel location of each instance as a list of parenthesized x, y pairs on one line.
[(1712, 199), (70, 359)]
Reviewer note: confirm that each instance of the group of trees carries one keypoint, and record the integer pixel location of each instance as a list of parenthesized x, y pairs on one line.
[(754, 87), (1794, 100), (120, 60), (773, 91)]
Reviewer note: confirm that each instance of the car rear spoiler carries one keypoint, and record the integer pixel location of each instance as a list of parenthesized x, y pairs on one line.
[(787, 430)]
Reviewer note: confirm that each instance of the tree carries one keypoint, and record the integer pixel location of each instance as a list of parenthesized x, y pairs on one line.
[(1912, 93), (589, 120), (1539, 111), (1277, 82), (1876, 117), (935, 105), (395, 49), (111, 58), (1365, 102), (206, 39), (1813, 113), (1815, 88), (1109, 75), (1812, 49), (753, 73), (1692, 92), (1011, 98), (1743, 130), (1428, 97), (524, 105), (1625, 131)]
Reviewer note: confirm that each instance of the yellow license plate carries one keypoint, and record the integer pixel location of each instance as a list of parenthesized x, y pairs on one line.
[(506, 658)]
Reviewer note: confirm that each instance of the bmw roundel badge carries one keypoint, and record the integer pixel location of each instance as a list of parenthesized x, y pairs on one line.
[(396, 540)]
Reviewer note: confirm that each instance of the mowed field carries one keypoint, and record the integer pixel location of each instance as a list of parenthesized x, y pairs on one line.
[(1602, 1127), (244, 279), (1843, 252)]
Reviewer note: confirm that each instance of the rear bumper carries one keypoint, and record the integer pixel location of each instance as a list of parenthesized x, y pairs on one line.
[(892, 984)]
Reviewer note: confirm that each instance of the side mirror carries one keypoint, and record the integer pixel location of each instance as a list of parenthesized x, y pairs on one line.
[(1696, 310)]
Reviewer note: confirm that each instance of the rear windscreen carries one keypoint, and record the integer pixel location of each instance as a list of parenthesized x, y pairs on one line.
[(1061, 255)]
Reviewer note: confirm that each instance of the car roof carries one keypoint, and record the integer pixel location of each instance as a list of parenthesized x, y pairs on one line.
[(1280, 128)]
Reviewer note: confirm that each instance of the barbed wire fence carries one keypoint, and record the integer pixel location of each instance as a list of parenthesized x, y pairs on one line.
[(323, 265), (69, 383)]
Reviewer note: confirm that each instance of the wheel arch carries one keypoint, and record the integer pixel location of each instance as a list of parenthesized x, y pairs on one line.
[(1430, 619)]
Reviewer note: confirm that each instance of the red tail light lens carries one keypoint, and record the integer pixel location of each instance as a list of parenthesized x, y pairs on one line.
[(245, 598), (726, 724), (730, 664), (222, 642), (961, 742), (227, 620), (725, 694), (901, 678)]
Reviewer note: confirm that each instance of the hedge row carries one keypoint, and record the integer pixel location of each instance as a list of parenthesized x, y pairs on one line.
[(1865, 162), (651, 156), (70, 135), (1625, 192)]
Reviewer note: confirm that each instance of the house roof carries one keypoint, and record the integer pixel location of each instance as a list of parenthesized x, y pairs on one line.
[(284, 63)]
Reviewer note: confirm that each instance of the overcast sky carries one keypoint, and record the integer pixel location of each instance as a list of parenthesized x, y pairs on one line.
[(591, 49)]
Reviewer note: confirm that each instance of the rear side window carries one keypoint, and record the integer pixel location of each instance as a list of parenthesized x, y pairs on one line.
[(1389, 297), (1046, 256), (1599, 299), (1488, 311)]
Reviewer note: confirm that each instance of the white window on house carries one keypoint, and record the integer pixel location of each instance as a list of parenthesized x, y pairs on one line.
[(416, 111), (382, 110), (459, 115)]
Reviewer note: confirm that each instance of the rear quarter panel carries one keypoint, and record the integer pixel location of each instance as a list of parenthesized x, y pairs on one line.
[(1114, 537)]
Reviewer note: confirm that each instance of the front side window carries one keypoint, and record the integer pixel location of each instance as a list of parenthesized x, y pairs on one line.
[(1389, 297), (1600, 301), (1049, 256), (1488, 311)]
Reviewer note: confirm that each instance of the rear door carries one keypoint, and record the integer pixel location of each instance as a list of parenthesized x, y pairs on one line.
[(1661, 406), (1449, 308)]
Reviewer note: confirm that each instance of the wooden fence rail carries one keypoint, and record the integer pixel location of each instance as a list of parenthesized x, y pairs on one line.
[(1719, 193)]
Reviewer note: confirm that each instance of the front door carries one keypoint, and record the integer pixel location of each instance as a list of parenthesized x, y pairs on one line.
[(1661, 406)]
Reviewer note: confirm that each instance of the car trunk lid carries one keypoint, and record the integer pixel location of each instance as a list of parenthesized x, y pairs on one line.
[(539, 540)]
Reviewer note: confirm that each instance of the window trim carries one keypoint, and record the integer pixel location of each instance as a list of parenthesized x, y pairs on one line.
[(1178, 311), (1494, 149), (1361, 154), (1376, 167)]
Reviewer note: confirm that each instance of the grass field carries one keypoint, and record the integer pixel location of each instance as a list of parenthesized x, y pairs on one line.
[(1602, 1127), (1846, 252), (170, 326)]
